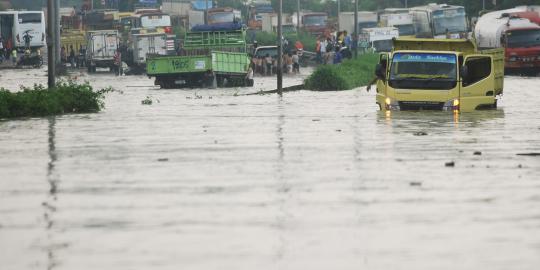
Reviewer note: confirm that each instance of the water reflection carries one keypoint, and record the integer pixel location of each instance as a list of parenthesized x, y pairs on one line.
[(438, 119), (283, 186), (51, 198)]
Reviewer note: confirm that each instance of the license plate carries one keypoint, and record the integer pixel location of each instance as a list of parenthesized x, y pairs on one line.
[(180, 81)]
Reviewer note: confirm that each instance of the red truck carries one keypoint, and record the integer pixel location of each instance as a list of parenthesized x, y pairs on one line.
[(516, 31)]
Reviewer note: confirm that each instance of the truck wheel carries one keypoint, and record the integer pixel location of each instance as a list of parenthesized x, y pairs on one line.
[(220, 81)]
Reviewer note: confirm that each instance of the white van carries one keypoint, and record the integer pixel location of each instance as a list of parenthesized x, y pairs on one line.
[(22, 26)]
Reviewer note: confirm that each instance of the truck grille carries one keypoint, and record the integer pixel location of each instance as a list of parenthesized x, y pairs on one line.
[(420, 105)]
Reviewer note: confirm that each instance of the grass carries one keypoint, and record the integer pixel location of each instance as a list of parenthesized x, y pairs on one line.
[(345, 76), (66, 97)]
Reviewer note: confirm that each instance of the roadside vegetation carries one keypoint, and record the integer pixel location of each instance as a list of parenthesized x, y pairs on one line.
[(345, 76), (66, 97)]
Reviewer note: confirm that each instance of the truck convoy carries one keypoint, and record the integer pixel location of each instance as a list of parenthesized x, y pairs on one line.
[(400, 19), (519, 37), (207, 58), (437, 74), (440, 21)]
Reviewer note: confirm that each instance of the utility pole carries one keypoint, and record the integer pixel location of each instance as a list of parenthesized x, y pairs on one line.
[(483, 4), (406, 6), (56, 24), (280, 51), (338, 9), (355, 37), (51, 63), (297, 16), (206, 12)]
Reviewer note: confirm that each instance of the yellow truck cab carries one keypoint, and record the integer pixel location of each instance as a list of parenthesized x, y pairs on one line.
[(439, 74)]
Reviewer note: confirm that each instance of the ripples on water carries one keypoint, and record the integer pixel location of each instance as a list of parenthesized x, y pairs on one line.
[(211, 179)]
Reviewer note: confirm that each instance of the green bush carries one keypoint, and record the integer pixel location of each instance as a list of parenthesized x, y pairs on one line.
[(66, 97), (345, 76)]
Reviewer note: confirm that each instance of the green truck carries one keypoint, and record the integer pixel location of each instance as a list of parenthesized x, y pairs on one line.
[(207, 59)]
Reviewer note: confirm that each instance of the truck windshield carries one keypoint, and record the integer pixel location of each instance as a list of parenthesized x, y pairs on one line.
[(382, 45), (362, 25), (405, 29), (523, 38), (315, 20), (423, 71), (29, 17), (452, 20), (262, 52), (221, 17)]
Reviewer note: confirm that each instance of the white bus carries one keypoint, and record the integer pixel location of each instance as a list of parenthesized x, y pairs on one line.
[(23, 28)]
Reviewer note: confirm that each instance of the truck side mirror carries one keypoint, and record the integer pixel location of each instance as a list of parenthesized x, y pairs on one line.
[(503, 40), (464, 73), (379, 72)]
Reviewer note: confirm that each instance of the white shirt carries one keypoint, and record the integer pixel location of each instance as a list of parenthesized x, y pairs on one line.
[(323, 46)]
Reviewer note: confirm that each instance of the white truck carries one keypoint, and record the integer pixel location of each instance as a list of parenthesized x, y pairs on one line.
[(400, 19), (269, 22), (366, 19), (23, 29), (149, 43), (102, 45), (440, 21), (378, 39), (196, 17)]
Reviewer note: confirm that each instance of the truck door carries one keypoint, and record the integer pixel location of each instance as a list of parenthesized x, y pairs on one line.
[(381, 84), (477, 89)]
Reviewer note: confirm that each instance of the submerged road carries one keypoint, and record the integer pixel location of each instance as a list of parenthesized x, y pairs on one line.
[(212, 179)]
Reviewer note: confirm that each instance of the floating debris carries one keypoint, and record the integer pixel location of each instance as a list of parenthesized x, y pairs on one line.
[(162, 159), (450, 164), (477, 153), (146, 101), (420, 133)]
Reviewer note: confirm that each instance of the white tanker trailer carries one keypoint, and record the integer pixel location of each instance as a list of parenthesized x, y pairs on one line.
[(520, 38)]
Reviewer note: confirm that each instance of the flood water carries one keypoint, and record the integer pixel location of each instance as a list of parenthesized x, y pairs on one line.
[(214, 179)]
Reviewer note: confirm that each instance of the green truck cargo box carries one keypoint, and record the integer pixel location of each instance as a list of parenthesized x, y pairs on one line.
[(207, 58)]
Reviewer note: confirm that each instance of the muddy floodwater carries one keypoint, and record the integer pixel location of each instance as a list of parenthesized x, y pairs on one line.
[(215, 179)]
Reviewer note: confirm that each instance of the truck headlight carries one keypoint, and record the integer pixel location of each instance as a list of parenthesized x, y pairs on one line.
[(451, 105), (391, 104)]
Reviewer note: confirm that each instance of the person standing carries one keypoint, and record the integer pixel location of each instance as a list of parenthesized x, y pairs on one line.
[(1, 49), (9, 46), (82, 55), (289, 63), (318, 50), (296, 62), (269, 63), (338, 58), (63, 54), (348, 40), (14, 56), (118, 63), (71, 56), (324, 43)]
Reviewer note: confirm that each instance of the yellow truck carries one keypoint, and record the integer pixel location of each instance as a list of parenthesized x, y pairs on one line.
[(439, 74)]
